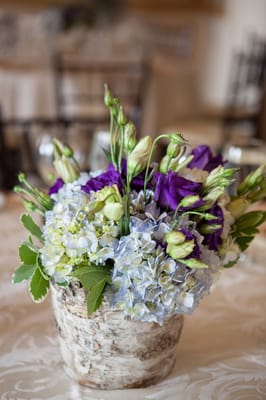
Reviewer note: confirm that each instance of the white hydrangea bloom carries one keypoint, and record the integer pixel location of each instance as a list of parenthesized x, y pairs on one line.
[(74, 235)]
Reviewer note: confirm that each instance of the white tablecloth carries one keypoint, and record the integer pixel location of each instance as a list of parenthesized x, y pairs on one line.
[(221, 355)]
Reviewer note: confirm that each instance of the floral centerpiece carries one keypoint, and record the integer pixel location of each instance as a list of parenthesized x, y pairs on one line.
[(143, 237)]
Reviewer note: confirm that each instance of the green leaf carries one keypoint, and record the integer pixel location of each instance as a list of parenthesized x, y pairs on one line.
[(107, 154), (93, 279), (23, 273), (94, 296), (193, 263), (250, 231), (31, 226), (39, 287), (231, 263), (90, 275), (40, 266), (26, 254), (252, 218), (244, 241)]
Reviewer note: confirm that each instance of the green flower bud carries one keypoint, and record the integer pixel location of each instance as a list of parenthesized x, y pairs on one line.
[(177, 139), (189, 200), (65, 163), (31, 207), (113, 211), (108, 99), (137, 160), (95, 206), (181, 250), (130, 140), (42, 199), (22, 177), (211, 198), (209, 228), (173, 149), (109, 194), (164, 164), (175, 237), (255, 178), (61, 149), (121, 118), (238, 206), (67, 169), (168, 164)]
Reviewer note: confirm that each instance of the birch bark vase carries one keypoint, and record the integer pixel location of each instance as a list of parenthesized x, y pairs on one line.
[(107, 350)]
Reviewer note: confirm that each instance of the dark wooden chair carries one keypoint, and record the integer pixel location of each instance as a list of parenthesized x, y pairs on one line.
[(79, 87), (246, 88)]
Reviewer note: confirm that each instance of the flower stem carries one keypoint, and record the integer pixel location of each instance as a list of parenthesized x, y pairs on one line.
[(122, 139), (149, 162), (112, 138)]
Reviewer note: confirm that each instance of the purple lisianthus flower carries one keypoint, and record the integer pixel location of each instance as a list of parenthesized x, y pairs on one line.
[(108, 178), (214, 240), (204, 159), (138, 182), (171, 188), (56, 186), (196, 251)]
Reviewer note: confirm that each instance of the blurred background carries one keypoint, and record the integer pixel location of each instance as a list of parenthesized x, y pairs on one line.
[(194, 66)]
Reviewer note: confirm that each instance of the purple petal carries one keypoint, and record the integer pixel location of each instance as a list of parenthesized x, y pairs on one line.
[(171, 188), (204, 159), (108, 178), (56, 186)]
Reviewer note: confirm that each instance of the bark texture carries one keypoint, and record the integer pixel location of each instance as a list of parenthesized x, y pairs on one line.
[(108, 351)]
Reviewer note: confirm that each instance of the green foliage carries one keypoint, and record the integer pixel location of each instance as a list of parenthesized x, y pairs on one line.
[(93, 279), (231, 263), (23, 273), (27, 254), (94, 296), (31, 226), (39, 286), (246, 227), (32, 267)]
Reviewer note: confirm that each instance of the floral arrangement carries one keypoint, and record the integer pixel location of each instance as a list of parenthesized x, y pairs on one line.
[(146, 237)]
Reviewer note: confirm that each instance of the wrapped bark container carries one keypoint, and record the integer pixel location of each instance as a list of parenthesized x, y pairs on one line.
[(109, 351)]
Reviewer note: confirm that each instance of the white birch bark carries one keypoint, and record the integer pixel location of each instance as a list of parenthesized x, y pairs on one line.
[(108, 351)]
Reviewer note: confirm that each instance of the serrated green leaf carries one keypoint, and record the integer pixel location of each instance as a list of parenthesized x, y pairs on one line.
[(193, 263), (26, 254), (31, 226), (94, 296), (39, 287), (90, 275), (23, 273)]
